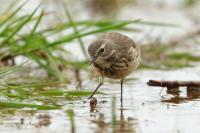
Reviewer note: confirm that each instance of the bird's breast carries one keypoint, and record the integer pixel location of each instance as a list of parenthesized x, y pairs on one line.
[(116, 70)]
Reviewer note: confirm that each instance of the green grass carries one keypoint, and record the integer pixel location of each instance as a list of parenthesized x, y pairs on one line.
[(163, 57), (26, 105), (189, 3), (8, 71), (47, 94), (71, 115)]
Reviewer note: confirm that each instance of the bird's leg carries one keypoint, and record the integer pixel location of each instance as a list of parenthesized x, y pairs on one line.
[(121, 99), (101, 81)]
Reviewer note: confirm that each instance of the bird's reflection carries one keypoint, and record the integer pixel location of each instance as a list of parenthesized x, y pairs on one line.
[(120, 124), (124, 125)]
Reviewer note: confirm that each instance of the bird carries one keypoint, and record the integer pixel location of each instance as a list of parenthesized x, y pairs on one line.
[(115, 56)]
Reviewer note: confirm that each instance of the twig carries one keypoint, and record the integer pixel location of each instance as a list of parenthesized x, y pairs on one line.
[(161, 83)]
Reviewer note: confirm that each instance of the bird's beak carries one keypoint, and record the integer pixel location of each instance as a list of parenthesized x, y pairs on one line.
[(92, 60)]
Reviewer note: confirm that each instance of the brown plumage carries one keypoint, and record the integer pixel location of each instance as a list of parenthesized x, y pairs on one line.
[(114, 56)]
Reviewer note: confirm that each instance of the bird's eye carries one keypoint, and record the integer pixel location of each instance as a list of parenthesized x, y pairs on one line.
[(101, 50)]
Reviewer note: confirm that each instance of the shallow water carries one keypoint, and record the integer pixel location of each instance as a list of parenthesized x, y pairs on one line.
[(145, 109)]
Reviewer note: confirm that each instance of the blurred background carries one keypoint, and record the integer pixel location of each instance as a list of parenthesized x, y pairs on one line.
[(155, 21), (44, 63)]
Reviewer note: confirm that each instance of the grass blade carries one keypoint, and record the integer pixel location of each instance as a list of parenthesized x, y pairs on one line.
[(13, 14), (37, 23), (76, 32), (10, 70), (106, 28), (27, 105), (20, 26)]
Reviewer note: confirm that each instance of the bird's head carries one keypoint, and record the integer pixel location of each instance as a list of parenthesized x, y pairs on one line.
[(100, 51)]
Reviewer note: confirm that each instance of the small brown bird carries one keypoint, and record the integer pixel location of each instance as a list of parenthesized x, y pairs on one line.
[(114, 56)]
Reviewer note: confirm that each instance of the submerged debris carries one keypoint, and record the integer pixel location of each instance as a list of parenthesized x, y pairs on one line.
[(44, 120), (93, 103), (192, 87), (22, 121)]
